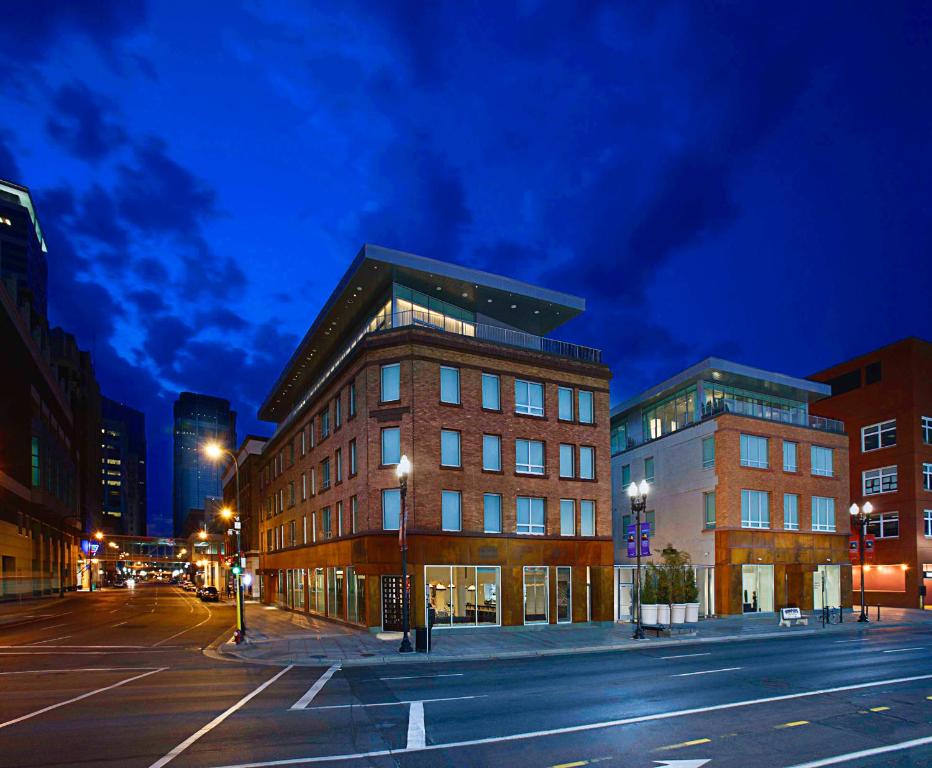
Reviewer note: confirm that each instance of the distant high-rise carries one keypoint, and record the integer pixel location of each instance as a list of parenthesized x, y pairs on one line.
[(22, 247), (123, 469), (199, 419)]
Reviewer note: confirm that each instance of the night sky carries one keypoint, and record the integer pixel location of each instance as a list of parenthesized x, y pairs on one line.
[(745, 180)]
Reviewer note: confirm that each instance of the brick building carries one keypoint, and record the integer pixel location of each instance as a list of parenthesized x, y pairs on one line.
[(507, 431), (885, 398), (249, 457), (745, 480)]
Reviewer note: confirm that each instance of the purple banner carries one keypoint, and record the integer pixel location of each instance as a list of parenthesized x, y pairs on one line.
[(633, 540), (645, 539)]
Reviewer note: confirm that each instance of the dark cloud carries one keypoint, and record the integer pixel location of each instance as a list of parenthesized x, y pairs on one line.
[(151, 271), (9, 168), (147, 301), (167, 337), (222, 318), (79, 123)]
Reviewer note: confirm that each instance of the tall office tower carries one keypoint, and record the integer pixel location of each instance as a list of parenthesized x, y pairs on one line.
[(123, 469), (22, 247), (199, 419)]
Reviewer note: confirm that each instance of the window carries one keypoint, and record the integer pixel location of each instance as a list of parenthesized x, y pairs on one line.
[(822, 461), (352, 457), (530, 515), (755, 509), (325, 474), (586, 408), (337, 412), (927, 430), (304, 486), (927, 477), (928, 522), (649, 469), (339, 518), (324, 423), (881, 435), (587, 462), (312, 431), (291, 454), (564, 403), (567, 455), (292, 534), (587, 518), (492, 453), (886, 525), (823, 513), (313, 481), (625, 476), (491, 399), (36, 464), (449, 448), (790, 461), (883, 480), (492, 512), (291, 496), (450, 504), (791, 511), (708, 452), (391, 383), (754, 451), (351, 398), (529, 457), (391, 446), (391, 509), (354, 508), (303, 442), (314, 527), (326, 522), (873, 372), (567, 517), (708, 509), (449, 385), (338, 462), (529, 398)]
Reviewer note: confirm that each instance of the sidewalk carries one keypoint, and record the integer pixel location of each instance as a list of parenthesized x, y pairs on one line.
[(282, 637)]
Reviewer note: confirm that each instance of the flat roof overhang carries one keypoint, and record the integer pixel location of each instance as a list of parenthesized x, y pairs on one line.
[(369, 278)]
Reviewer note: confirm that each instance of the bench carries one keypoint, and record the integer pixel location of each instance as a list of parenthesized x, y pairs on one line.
[(792, 617)]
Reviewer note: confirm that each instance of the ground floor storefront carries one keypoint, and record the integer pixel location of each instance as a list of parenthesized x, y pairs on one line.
[(468, 581)]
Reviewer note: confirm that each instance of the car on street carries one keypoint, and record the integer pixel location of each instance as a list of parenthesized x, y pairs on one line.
[(209, 595)]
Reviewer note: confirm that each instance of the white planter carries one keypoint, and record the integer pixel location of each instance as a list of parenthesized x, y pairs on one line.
[(663, 614), (678, 613), (649, 614), (692, 613)]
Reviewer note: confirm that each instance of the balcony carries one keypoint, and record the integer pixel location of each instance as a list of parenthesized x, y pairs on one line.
[(796, 416)]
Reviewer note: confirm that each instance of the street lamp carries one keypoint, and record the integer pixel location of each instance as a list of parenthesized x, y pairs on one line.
[(861, 514), (403, 470), (215, 452), (638, 496)]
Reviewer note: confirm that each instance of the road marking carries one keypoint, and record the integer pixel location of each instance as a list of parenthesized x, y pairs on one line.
[(577, 764), (594, 727), (686, 655), (856, 640), (682, 744), (30, 645), (901, 650), (794, 724), (178, 634), (415, 677), (396, 703), (50, 640), (847, 758), (80, 669), (706, 672), (878, 709), (53, 626), (217, 720), (79, 698), (417, 737), (308, 697)]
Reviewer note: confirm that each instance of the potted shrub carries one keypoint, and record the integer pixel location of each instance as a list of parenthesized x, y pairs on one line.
[(663, 595), (677, 594), (692, 596), (649, 596)]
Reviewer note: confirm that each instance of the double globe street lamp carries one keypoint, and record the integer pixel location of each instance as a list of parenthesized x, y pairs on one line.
[(861, 514), (638, 496)]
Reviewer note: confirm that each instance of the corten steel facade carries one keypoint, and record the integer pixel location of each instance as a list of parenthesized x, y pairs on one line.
[(730, 452), (885, 399), (329, 537)]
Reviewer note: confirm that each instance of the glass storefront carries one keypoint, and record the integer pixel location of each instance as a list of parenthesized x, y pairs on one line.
[(826, 587), (536, 595), (355, 596), (757, 588), (316, 599), (335, 593), (463, 595), (564, 594), (298, 588)]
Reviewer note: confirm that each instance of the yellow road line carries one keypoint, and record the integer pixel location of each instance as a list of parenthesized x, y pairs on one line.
[(793, 724), (682, 744), (879, 709), (571, 765)]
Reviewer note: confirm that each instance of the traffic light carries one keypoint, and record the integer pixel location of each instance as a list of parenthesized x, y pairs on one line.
[(236, 570)]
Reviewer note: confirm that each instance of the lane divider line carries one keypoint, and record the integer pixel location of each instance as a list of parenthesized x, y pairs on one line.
[(686, 655), (81, 669), (417, 736), (902, 650), (79, 698), (879, 709), (217, 720), (794, 724), (396, 703), (847, 758), (682, 744), (414, 677), (706, 672), (308, 697)]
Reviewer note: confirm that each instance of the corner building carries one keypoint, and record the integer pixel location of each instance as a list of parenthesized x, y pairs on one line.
[(508, 501)]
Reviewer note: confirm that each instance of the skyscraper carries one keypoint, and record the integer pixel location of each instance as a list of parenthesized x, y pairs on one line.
[(22, 247), (199, 419), (123, 468)]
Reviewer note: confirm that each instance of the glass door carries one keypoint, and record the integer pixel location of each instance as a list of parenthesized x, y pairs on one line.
[(564, 594), (826, 587), (536, 595), (757, 588)]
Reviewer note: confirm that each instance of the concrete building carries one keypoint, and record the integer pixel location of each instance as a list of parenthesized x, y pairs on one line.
[(508, 502), (199, 419), (885, 399), (123, 469), (22, 248), (745, 479), (249, 457)]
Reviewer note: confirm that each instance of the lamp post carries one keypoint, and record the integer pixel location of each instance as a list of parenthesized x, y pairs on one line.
[(638, 496), (403, 470), (861, 514), (215, 451)]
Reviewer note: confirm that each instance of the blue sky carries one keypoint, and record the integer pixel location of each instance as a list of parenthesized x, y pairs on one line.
[(714, 178)]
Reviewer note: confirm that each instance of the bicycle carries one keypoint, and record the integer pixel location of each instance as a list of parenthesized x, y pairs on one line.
[(832, 615)]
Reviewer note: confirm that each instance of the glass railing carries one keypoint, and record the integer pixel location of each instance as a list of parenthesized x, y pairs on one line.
[(436, 321)]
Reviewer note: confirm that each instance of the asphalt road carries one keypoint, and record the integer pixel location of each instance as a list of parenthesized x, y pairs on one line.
[(119, 679)]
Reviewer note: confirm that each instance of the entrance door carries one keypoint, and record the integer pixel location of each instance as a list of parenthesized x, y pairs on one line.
[(565, 594), (826, 587), (392, 617), (536, 595), (757, 588)]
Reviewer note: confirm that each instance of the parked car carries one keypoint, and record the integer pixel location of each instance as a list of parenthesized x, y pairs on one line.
[(209, 595)]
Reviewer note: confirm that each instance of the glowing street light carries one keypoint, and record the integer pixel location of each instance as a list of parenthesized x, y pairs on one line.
[(638, 496), (402, 471), (861, 514)]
